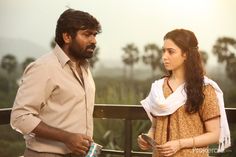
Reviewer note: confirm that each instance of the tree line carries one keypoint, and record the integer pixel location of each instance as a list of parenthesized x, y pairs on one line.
[(224, 48)]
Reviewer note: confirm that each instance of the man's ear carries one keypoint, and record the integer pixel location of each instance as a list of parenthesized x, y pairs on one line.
[(66, 38)]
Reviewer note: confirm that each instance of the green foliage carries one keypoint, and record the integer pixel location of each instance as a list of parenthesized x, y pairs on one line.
[(120, 91), (107, 134), (138, 127), (130, 57), (225, 50), (230, 98), (7, 95), (108, 91), (204, 56), (9, 63), (11, 142), (152, 57)]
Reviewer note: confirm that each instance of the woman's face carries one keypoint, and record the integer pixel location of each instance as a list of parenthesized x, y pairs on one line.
[(172, 56)]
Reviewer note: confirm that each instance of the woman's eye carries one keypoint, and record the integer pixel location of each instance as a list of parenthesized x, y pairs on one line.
[(171, 51)]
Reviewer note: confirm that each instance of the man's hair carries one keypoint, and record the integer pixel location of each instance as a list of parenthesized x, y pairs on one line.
[(72, 21)]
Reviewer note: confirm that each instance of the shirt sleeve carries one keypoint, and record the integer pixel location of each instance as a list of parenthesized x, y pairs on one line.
[(210, 108), (34, 89)]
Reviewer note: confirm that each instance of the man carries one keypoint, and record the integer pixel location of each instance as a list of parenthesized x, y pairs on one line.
[(54, 104)]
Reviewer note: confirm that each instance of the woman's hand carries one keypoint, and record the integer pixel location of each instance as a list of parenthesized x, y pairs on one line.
[(142, 143), (169, 148)]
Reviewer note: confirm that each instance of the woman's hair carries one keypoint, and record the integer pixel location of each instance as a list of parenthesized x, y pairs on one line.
[(72, 21), (194, 73)]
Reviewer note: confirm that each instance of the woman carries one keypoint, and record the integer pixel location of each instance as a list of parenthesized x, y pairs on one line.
[(185, 107)]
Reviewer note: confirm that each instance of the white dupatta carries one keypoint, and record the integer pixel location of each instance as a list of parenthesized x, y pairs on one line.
[(156, 104)]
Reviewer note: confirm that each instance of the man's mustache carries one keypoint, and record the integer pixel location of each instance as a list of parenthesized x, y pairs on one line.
[(92, 46)]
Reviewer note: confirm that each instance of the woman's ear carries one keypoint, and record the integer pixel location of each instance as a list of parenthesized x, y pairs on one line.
[(66, 38), (184, 54)]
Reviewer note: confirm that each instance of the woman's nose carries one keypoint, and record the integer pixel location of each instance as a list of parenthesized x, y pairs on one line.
[(164, 55)]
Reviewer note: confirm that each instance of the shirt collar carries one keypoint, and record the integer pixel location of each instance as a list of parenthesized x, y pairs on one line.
[(61, 56), (64, 59)]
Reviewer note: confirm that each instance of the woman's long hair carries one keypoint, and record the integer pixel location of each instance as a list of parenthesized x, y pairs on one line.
[(194, 73)]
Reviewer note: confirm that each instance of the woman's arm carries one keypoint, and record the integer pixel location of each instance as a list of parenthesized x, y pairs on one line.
[(210, 137), (152, 130)]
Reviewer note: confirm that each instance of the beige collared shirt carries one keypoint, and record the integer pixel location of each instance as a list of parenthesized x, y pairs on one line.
[(52, 91)]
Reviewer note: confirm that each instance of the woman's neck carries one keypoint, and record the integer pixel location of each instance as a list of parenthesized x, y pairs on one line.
[(177, 78)]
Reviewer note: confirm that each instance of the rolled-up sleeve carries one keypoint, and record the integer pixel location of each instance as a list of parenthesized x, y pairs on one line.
[(35, 88)]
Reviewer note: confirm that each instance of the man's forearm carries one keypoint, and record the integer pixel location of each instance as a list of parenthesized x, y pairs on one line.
[(45, 131), (76, 142)]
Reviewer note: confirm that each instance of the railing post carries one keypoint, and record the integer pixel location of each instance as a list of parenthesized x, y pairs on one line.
[(128, 138)]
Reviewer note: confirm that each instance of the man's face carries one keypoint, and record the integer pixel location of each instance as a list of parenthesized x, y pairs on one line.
[(83, 45)]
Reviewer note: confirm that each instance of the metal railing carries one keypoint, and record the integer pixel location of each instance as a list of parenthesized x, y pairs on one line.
[(126, 112)]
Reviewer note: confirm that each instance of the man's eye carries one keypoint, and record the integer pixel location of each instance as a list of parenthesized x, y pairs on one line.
[(87, 34)]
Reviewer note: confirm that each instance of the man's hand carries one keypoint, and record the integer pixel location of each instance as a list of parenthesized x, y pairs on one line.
[(78, 143)]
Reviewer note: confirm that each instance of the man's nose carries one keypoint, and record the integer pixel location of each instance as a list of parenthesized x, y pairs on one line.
[(93, 40)]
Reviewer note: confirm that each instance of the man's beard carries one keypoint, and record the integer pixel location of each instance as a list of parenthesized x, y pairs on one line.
[(79, 53)]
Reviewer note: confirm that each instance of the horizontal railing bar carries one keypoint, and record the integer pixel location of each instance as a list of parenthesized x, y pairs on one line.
[(119, 111), (120, 152), (109, 151), (116, 111), (5, 115), (141, 153)]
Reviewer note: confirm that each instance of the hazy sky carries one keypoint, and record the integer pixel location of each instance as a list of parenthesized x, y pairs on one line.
[(123, 21)]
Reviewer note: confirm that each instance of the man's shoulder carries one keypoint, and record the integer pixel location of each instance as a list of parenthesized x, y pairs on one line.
[(50, 56), (47, 59)]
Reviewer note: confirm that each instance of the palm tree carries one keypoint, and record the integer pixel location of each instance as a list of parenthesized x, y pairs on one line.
[(130, 57), (27, 61), (152, 57), (225, 49), (231, 68), (9, 64), (204, 56)]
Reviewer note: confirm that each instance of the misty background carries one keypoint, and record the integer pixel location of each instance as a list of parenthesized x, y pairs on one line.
[(28, 26), (127, 58)]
